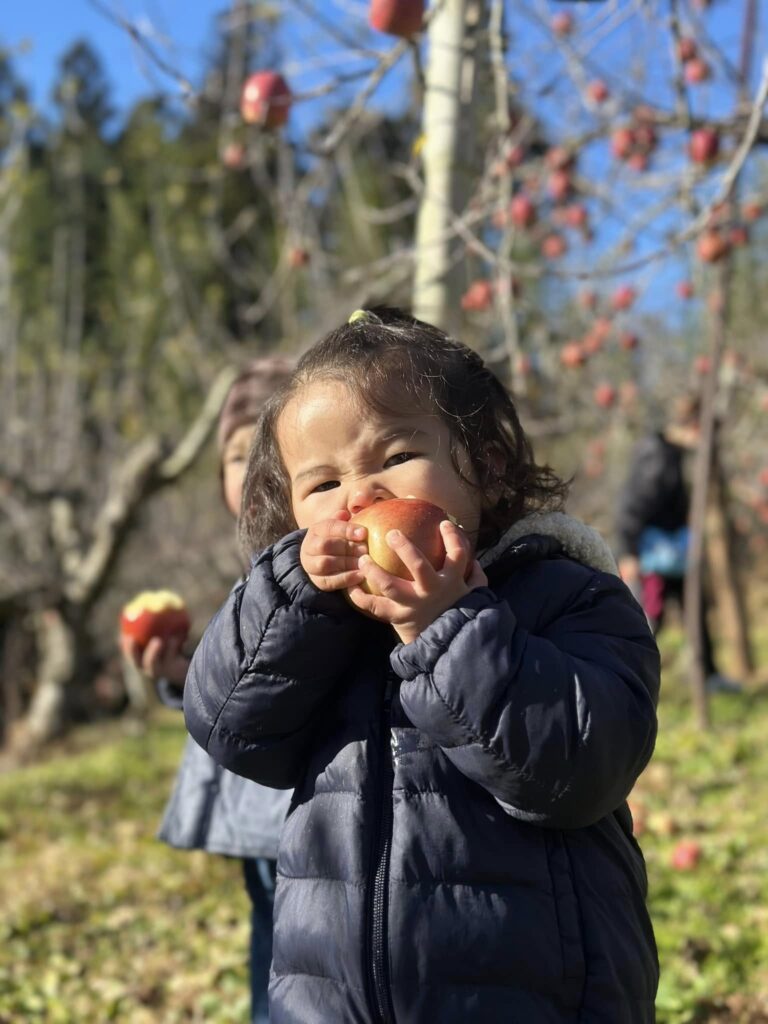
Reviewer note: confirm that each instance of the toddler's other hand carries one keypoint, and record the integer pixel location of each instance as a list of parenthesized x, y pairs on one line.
[(408, 606), (331, 550), (160, 659)]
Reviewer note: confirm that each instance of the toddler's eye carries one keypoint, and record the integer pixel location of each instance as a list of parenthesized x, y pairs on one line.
[(327, 485), (396, 460)]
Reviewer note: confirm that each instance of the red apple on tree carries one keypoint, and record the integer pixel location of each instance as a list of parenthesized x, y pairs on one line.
[(712, 245), (622, 142), (478, 297), (403, 18), (522, 212), (684, 290), (687, 49), (572, 355), (605, 395), (562, 23), (154, 613), (598, 91), (623, 297), (554, 246), (704, 145), (696, 71), (265, 99), (418, 520)]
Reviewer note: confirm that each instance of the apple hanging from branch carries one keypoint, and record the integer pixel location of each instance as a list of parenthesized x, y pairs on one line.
[(265, 99)]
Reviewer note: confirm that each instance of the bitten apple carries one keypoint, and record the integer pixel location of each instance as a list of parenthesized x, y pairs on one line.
[(418, 520), (154, 613)]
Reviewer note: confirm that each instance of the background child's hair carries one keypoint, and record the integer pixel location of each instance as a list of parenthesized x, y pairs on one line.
[(396, 364)]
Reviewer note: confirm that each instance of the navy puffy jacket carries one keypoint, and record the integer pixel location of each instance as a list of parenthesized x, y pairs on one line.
[(458, 846)]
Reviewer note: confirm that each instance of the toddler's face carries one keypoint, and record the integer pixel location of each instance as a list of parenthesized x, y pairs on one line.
[(234, 461), (339, 457)]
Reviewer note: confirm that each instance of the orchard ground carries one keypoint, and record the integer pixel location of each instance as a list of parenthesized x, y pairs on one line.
[(100, 922)]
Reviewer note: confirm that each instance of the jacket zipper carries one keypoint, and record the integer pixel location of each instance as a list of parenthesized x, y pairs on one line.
[(379, 933)]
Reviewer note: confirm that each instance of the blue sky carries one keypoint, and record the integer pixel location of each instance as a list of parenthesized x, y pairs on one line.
[(49, 26)]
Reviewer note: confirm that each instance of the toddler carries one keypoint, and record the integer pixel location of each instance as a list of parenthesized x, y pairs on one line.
[(458, 846)]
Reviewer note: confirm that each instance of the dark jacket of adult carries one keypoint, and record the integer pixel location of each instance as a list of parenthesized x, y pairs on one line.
[(458, 846), (655, 492)]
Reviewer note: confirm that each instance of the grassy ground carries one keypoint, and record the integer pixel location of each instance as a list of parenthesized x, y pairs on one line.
[(99, 922)]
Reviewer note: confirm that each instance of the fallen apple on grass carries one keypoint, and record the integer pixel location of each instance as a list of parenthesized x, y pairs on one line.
[(154, 613), (417, 520), (686, 855)]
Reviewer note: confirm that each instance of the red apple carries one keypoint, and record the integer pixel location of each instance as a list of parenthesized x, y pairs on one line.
[(623, 297), (712, 246), (696, 71), (560, 185), (598, 91), (686, 855), (687, 49), (684, 290), (154, 613), (522, 212), (576, 216), (572, 355), (622, 142), (554, 246), (233, 156), (298, 257), (628, 340), (266, 99), (418, 520), (604, 395), (562, 23), (738, 235), (478, 297), (751, 211), (704, 145), (402, 18)]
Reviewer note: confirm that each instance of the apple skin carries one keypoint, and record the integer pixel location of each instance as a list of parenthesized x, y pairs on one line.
[(154, 613), (265, 99), (686, 855), (397, 17), (418, 520)]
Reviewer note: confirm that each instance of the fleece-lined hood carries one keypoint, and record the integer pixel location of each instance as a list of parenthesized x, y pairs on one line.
[(579, 541)]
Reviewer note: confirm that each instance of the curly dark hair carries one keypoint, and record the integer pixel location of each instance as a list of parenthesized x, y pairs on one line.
[(396, 364)]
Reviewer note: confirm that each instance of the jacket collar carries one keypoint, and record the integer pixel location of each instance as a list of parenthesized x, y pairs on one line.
[(546, 535)]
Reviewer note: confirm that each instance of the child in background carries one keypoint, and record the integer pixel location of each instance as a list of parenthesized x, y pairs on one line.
[(458, 846), (210, 808)]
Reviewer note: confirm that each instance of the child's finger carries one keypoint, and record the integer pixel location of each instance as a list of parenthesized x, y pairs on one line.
[(458, 550), (338, 581), (332, 565), (392, 587), (413, 558), (476, 577)]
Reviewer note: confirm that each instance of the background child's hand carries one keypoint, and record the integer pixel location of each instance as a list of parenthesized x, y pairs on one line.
[(411, 606), (160, 659), (331, 550)]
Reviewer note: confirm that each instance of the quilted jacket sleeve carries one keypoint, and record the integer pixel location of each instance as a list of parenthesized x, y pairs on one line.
[(556, 725), (269, 659)]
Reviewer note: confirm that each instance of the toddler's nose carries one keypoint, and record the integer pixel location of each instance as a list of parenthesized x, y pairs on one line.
[(363, 497)]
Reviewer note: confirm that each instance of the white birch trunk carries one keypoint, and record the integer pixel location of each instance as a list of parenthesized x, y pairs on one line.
[(449, 144)]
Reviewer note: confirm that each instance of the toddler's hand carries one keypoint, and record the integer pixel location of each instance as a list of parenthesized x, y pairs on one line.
[(160, 659), (412, 606), (331, 550)]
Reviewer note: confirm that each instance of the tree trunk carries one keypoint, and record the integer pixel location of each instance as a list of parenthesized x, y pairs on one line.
[(449, 127), (729, 591), (58, 658)]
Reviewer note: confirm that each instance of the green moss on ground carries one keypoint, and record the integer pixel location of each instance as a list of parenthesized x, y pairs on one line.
[(100, 922)]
